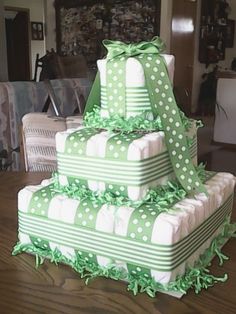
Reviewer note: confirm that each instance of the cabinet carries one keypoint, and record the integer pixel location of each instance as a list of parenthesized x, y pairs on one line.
[(214, 31)]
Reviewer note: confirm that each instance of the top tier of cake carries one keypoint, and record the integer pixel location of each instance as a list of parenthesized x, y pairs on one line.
[(137, 97)]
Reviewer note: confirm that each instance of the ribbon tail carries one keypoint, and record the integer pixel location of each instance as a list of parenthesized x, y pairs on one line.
[(163, 104), (94, 96)]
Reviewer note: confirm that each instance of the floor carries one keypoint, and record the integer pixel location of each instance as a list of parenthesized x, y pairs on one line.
[(216, 157)]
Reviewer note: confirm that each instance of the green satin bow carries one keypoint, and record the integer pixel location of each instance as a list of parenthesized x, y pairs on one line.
[(118, 48)]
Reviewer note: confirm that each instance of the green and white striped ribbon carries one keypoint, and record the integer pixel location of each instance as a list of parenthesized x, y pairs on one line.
[(114, 169), (136, 102), (76, 144), (39, 206), (135, 249)]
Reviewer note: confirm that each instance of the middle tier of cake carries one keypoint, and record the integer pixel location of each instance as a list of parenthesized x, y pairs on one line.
[(124, 164)]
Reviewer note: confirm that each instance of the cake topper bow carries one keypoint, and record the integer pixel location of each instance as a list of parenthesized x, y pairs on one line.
[(118, 48)]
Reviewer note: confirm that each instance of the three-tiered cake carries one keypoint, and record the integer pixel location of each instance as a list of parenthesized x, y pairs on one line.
[(129, 201)]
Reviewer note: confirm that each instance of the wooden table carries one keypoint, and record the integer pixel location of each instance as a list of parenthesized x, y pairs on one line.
[(51, 289)]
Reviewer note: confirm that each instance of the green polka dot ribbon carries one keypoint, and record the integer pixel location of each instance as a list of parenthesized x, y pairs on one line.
[(164, 105), (162, 100), (117, 148), (116, 91), (39, 205), (86, 214), (140, 228), (76, 145)]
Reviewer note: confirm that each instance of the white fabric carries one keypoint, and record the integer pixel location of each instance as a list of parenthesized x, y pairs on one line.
[(134, 71), (225, 113), (24, 196), (105, 222)]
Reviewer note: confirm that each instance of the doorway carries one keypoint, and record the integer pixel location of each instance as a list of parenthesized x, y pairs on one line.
[(182, 47), (18, 44)]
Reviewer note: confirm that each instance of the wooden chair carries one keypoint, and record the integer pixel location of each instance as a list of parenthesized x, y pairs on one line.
[(38, 65), (52, 100), (54, 66), (72, 66)]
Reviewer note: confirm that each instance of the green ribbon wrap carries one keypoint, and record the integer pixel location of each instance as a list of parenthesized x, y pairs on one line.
[(162, 100), (118, 50)]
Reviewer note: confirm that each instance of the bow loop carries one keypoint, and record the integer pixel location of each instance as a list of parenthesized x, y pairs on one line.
[(118, 48), (131, 50)]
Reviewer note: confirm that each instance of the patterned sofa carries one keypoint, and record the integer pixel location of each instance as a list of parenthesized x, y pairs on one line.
[(20, 98)]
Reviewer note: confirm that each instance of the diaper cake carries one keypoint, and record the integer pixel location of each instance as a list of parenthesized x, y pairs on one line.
[(129, 201)]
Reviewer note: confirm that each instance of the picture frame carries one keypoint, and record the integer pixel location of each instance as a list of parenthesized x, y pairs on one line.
[(37, 31), (82, 25)]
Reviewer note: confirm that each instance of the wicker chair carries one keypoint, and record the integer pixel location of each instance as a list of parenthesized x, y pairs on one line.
[(39, 130), (38, 139)]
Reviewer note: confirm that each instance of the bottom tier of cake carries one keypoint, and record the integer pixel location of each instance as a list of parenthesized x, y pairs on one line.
[(152, 249)]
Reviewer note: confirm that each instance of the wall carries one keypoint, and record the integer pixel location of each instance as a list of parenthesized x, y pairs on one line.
[(36, 8), (165, 25), (198, 68), (50, 26), (3, 47)]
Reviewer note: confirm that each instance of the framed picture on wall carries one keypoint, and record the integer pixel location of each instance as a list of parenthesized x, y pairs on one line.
[(37, 31), (82, 25)]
